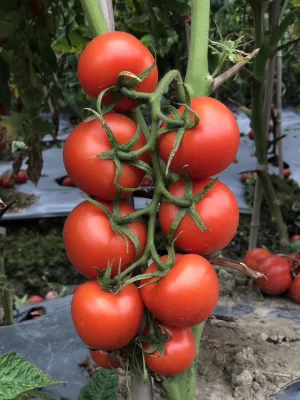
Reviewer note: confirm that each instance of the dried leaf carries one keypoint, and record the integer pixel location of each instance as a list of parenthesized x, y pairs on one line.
[(35, 163)]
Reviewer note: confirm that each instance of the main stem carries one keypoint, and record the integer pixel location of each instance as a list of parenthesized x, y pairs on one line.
[(95, 17), (6, 297)]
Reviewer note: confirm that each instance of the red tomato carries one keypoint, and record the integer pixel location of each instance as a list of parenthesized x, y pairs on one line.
[(67, 181), (105, 320), (52, 295), (295, 238), (21, 177), (34, 300), (294, 289), (286, 173), (7, 183), (277, 275), (235, 160), (254, 174), (2, 147), (104, 359), (105, 57), (209, 147), (255, 256), (91, 242), (251, 135), (180, 352), (96, 176), (189, 292), (219, 211), (244, 177)]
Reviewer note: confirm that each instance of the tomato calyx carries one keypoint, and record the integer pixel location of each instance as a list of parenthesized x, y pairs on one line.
[(156, 335), (190, 209)]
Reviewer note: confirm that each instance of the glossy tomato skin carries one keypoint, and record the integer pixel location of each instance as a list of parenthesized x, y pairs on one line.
[(96, 176), (104, 359), (106, 56), (180, 352), (277, 275), (219, 211), (186, 296), (90, 241), (209, 147), (105, 320), (294, 289), (255, 256)]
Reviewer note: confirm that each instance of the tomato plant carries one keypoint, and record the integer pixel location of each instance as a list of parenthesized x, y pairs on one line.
[(86, 142), (100, 244), (255, 256), (186, 296), (277, 275), (104, 320), (218, 209), (104, 359), (105, 57), (179, 352), (217, 139), (294, 289)]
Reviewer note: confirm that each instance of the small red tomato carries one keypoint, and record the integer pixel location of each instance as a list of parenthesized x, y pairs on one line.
[(254, 175), (295, 238), (271, 128), (255, 256), (235, 161), (286, 173), (277, 273), (52, 295), (179, 354), (67, 181), (2, 146), (294, 289), (189, 292), (244, 177), (104, 359), (34, 300), (21, 177), (272, 107), (251, 135), (7, 183)]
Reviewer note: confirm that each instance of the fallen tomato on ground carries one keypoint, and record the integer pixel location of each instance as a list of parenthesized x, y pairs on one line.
[(294, 289), (67, 181), (277, 275), (20, 178), (52, 295), (35, 299), (255, 256)]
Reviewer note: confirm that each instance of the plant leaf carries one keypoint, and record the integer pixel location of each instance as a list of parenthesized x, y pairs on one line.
[(103, 386), (19, 376)]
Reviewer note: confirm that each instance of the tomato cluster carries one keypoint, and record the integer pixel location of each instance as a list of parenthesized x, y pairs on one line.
[(107, 318), (8, 182), (280, 273)]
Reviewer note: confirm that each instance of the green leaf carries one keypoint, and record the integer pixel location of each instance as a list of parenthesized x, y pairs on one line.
[(103, 386), (41, 127), (19, 376), (75, 42)]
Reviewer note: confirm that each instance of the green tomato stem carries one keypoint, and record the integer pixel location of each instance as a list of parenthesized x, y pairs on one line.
[(197, 75), (95, 16)]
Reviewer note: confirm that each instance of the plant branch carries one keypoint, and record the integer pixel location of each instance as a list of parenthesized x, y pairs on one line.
[(94, 16), (239, 266), (219, 80)]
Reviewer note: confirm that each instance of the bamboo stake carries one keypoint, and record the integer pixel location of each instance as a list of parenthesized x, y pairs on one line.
[(279, 111)]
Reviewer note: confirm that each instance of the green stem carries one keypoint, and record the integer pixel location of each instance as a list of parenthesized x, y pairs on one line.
[(94, 16), (7, 298), (197, 75)]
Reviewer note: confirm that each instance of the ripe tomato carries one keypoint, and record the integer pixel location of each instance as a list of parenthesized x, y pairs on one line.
[(219, 211), (21, 177), (106, 56), (186, 296), (209, 147), (104, 359), (2, 146), (34, 300), (294, 289), (277, 275), (52, 295), (255, 256), (105, 320), (7, 183), (180, 352), (286, 173), (295, 238), (244, 177), (235, 160), (67, 181), (251, 135), (91, 242), (96, 176)]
